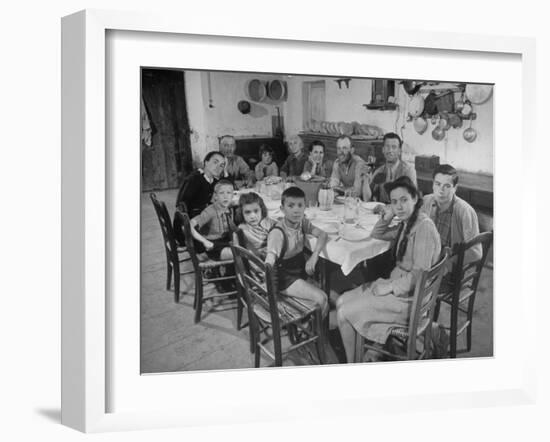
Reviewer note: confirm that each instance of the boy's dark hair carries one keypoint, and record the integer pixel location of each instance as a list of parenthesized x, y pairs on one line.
[(222, 182), (446, 169), (393, 136), (266, 148), (316, 143), (252, 198), (292, 192), (211, 154)]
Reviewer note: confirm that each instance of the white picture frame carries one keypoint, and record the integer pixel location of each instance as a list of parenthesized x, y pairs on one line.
[(86, 216)]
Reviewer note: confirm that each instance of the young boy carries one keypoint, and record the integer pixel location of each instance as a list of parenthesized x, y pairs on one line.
[(285, 248), (213, 223)]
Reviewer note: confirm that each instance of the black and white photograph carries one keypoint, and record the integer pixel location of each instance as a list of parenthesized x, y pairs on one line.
[(293, 220)]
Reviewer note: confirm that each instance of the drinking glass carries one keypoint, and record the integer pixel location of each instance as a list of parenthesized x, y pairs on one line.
[(312, 209), (351, 206)]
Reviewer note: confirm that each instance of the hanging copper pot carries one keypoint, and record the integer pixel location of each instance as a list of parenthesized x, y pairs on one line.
[(444, 122), (411, 86), (244, 107), (470, 134), (416, 106), (420, 125), (438, 134), (478, 93), (467, 108), (455, 120), (430, 103)]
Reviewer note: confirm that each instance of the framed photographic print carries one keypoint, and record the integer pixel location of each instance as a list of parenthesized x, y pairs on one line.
[(164, 122)]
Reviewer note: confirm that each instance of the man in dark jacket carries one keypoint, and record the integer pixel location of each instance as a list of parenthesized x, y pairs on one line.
[(197, 189)]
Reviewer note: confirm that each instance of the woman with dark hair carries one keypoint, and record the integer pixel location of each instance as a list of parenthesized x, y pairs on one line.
[(267, 166), (374, 309), (316, 164)]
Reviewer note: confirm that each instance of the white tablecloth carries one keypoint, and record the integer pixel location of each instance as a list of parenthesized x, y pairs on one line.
[(347, 254)]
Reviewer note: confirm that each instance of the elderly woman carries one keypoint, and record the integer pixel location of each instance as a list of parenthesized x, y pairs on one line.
[(294, 163), (374, 309)]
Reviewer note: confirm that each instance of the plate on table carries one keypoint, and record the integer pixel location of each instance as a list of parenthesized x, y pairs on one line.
[(351, 233), (328, 227), (370, 205), (316, 179)]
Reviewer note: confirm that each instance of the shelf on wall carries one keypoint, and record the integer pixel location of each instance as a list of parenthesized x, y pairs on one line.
[(382, 106)]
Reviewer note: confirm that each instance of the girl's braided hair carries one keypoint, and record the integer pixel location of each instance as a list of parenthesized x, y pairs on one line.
[(404, 182)]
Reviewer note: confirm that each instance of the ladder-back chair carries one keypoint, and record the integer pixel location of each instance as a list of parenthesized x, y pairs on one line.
[(272, 313), (201, 265), (175, 254), (460, 292), (405, 340)]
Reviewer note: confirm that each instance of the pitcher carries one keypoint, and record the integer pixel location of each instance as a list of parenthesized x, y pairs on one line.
[(326, 197), (351, 207)]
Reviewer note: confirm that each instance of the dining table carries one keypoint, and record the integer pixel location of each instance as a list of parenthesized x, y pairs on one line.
[(348, 245)]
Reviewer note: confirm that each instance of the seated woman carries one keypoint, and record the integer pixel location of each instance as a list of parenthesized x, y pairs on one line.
[(266, 167), (316, 165), (374, 309)]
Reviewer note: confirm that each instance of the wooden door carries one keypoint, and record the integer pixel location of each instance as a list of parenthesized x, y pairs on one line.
[(168, 160), (314, 101)]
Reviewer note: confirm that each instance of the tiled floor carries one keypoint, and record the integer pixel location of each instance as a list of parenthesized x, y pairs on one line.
[(170, 341)]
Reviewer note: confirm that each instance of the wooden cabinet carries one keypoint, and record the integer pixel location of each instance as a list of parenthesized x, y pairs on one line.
[(363, 147)]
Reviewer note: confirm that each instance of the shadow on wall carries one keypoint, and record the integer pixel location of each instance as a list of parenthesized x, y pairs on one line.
[(257, 111)]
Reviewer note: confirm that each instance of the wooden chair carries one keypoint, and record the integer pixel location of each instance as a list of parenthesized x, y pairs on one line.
[(405, 340), (175, 254), (271, 313), (202, 265), (460, 292)]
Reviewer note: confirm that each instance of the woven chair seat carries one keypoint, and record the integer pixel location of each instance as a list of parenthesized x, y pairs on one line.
[(400, 333), (290, 310)]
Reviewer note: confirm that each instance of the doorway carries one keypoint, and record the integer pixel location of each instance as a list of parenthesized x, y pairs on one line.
[(166, 155)]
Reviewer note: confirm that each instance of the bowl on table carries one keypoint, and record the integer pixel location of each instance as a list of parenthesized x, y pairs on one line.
[(351, 233)]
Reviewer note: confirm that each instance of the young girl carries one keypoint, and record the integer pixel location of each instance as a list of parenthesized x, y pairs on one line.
[(373, 310), (256, 224), (266, 167)]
